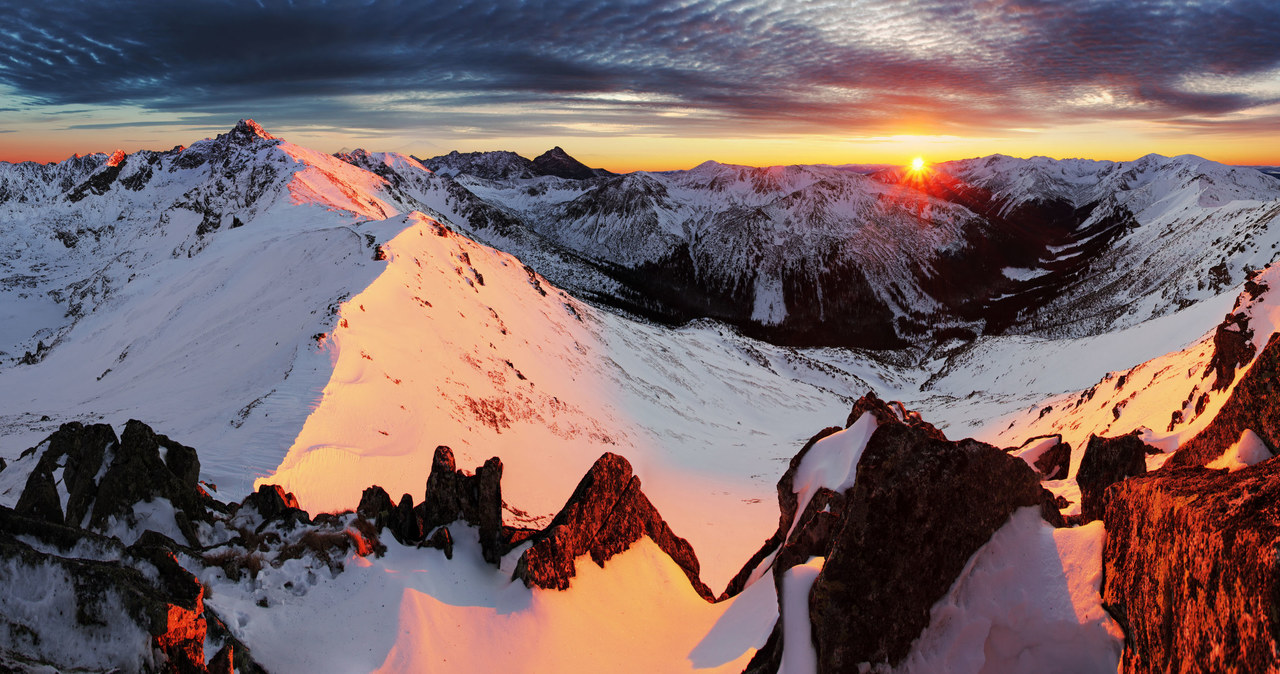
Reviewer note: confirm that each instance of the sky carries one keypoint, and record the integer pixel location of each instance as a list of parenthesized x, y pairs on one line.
[(651, 84)]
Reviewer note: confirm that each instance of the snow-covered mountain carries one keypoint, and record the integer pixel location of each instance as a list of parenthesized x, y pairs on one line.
[(827, 255), (323, 323)]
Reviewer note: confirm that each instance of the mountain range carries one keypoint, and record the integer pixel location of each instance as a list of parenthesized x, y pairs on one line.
[(666, 344)]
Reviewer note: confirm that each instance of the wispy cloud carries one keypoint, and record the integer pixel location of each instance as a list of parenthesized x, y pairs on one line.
[(697, 67)]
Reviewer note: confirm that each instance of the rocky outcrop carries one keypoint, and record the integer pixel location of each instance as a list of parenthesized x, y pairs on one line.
[(920, 508), (1055, 463), (69, 464), (142, 585), (1232, 348), (101, 479), (149, 466), (1107, 461), (605, 515), (895, 541), (1192, 569), (1254, 404)]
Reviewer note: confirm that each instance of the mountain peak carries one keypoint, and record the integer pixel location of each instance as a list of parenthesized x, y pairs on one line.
[(116, 158), (247, 130), (557, 162)]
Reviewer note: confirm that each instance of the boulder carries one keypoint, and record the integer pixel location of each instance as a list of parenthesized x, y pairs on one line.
[(920, 508), (1192, 569), (407, 522), (1055, 463), (605, 515), (441, 540), (1105, 462), (274, 504), (375, 506)]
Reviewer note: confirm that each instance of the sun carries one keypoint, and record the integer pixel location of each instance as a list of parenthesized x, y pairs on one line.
[(917, 164)]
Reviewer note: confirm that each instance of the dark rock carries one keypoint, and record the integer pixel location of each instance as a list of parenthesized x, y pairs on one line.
[(274, 504), (79, 451), (918, 511), (477, 499), (375, 506), (605, 515), (1192, 569), (556, 162), (441, 540), (1105, 462), (444, 497), (1055, 463), (1254, 404), (137, 473), (1232, 348), (406, 522), (486, 510), (814, 529), (168, 610)]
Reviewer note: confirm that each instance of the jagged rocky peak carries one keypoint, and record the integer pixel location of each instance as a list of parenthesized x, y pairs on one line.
[(247, 130), (605, 515), (557, 162)]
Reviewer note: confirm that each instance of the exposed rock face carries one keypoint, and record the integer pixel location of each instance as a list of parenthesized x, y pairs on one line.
[(74, 455), (1254, 405), (1107, 461), (605, 515), (1055, 463), (453, 495), (1232, 348), (1192, 569), (920, 508), (138, 473), (375, 506)]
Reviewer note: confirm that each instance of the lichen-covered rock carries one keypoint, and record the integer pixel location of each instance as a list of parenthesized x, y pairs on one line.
[(605, 515), (1254, 405), (920, 508), (1107, 461), (1192, 569)]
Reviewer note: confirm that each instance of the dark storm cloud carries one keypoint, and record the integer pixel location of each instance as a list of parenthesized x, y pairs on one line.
[(951, 66)]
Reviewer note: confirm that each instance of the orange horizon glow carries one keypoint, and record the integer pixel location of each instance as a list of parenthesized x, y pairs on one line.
[(624, 154)]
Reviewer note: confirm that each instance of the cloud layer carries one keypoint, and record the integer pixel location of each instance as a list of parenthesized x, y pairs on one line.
[(692, 67)]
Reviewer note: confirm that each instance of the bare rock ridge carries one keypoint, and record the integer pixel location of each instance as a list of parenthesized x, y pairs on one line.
[(605, 515)]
